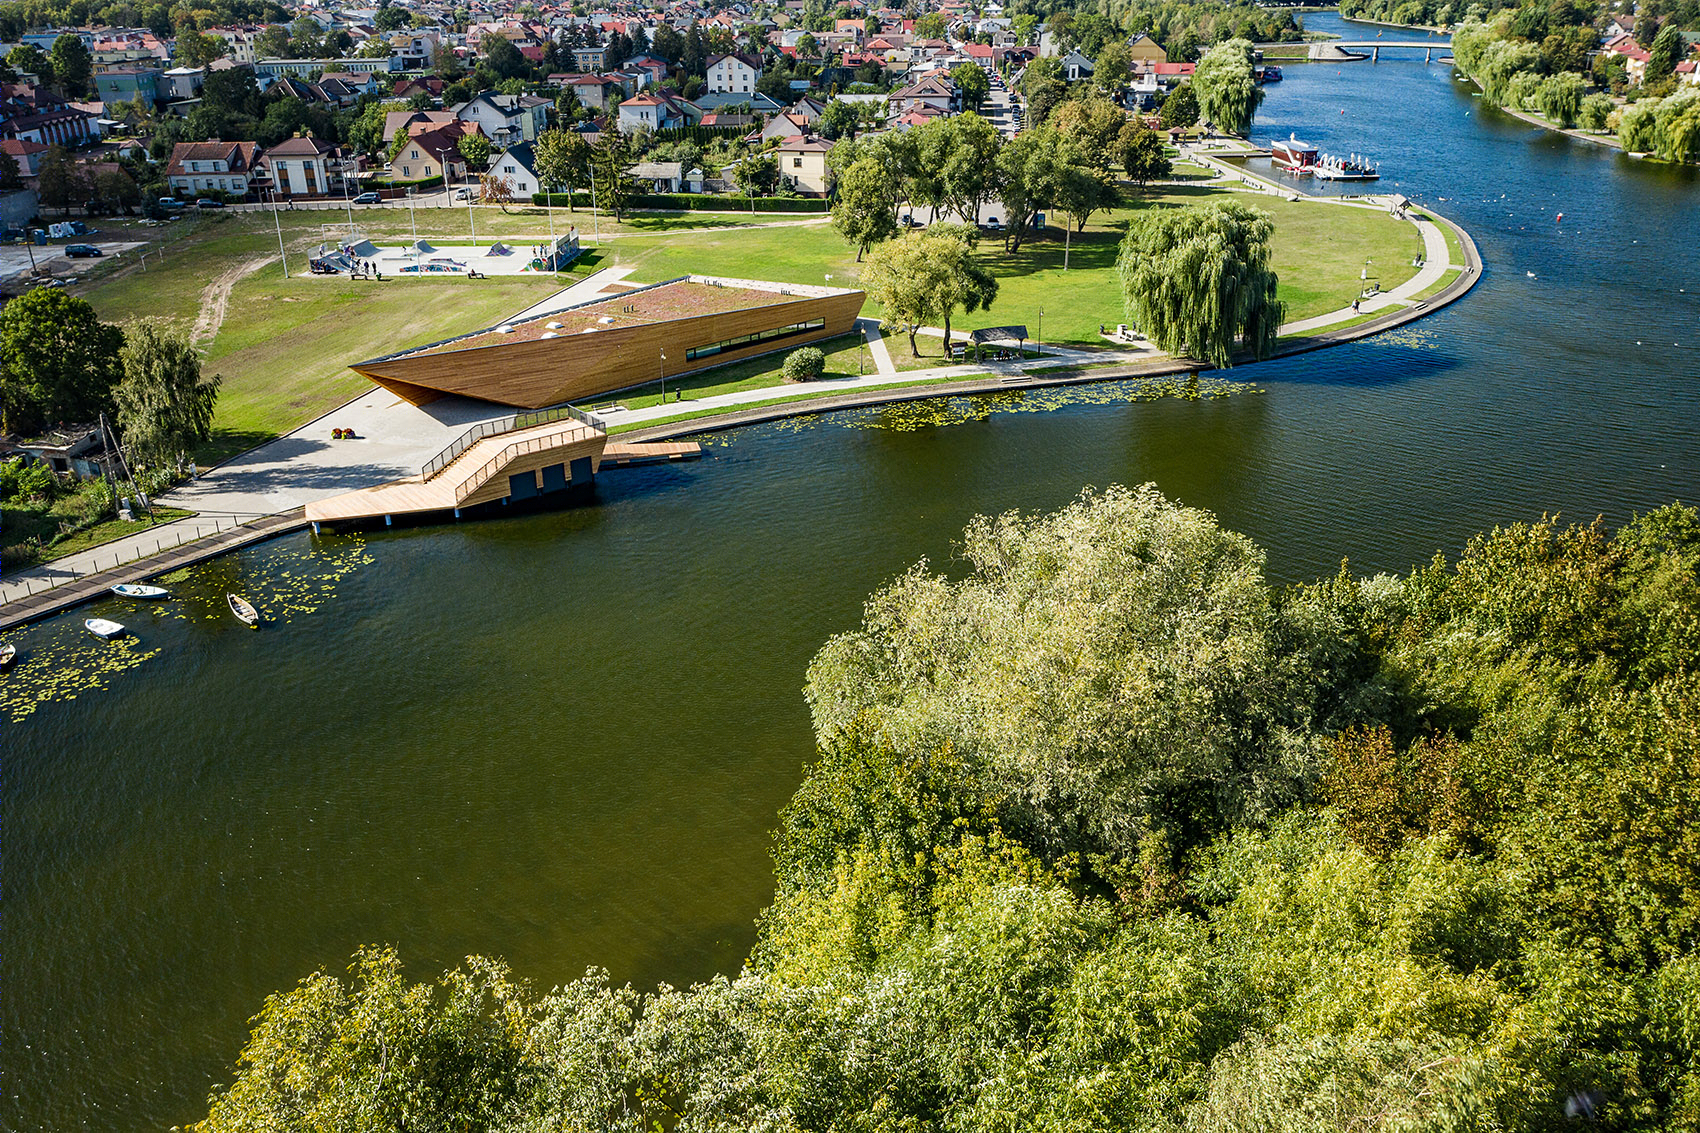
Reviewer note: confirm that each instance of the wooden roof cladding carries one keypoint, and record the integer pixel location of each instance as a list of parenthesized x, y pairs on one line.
[(531, 371)]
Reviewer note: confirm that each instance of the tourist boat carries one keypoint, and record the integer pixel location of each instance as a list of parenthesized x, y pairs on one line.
[(1268, 73), (1293, 156), (1354, 168), (137, 590), (103, 629), (8, 654), (244, 610)]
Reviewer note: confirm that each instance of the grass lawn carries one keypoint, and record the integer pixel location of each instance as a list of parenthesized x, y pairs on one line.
[(1320, 249), (20, 525)]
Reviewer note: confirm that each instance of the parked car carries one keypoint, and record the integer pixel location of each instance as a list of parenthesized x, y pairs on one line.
[(465, 194), (170, 203), (208, 203), (82, 251), (366, 198)]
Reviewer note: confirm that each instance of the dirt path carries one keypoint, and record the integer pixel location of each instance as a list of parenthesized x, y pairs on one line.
[(215, 300)]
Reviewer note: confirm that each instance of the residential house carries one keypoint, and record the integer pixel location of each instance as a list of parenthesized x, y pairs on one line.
[(589, 58), (1633, 56), (655, 110), (1144, 49), (308, 167), (802, 164), (432, 151), (1621, 23), (429, 87), (26, 154), (1076, 66), (758, 103), (358, 83), (35, 114), (733, 74), (1173, 74), (403, 121), (668, 176), (414, 50), (936, 92), (304, 68), (783, 126), (239, 42), (123, 84), (518, 167), (594, 91), (202, 167), (181, 84), (653, 67), (506, 119)]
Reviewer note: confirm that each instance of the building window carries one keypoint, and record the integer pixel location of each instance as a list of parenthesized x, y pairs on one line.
[(796, 163), (741, 341)]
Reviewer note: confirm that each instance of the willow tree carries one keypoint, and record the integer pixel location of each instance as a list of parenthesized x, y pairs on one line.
[(165, 405), (1227, 93), (1197, 280)]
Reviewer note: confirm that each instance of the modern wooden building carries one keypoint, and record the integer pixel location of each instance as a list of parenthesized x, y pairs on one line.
[(624, 340)]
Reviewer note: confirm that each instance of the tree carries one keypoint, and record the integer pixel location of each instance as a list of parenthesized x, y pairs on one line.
[(1043, 88), (1227, 93), (28, 59), (165, 406), (563, 161), (1079, 189), (666, 42), (476, 149), (865, 208), (195, 49), (1560, 97), (391, 18), (758, 175), (1140, 151), (926, 276), (58, 361), (838, 120), (1092, 124), (503, 57), (971, 83), (117, 188), (611, 184), (1677, 121), (233, 92), (59, 179), (1197, 280), (11, 177), (1111, 68), (807, 46), (1666, 52), (1180, 108), (73, 68), (1023, 176), (931, 26)]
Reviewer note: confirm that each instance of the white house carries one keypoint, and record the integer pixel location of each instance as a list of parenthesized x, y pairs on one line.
[(506, 118), (199, 167), (732, 74), (518, 167)]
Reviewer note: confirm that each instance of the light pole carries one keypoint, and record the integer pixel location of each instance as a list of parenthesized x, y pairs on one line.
[(1041, 338), (347, 200), (663, 371), (862, 355), (279, 225), (412, 220), (470, 219)]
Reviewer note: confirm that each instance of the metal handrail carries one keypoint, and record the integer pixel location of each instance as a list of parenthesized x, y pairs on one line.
[(490, 467), (504, 425)]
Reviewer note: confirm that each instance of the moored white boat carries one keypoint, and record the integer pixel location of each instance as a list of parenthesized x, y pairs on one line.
[(138, 590), (103, 629), (1353, 168), (244, 610), (8, 654)]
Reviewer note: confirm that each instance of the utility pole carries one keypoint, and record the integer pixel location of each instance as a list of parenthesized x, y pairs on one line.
[(279, 225), (106, 438)]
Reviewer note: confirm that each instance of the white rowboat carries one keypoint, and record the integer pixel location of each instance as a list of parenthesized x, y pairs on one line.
[(244, 610), (103, 629), (137, 590)]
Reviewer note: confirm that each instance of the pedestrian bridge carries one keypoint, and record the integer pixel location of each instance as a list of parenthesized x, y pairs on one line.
[(1325, 49)]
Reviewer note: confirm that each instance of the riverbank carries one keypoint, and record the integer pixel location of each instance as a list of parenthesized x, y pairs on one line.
[(37, 595)]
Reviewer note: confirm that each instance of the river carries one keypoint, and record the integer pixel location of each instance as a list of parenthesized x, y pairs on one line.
[(563, 739)]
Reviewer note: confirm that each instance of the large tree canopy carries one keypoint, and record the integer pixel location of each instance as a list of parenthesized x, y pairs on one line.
[(1227, 93), (58, 361), (1106, 833), (1197, 280), (926, 277), (165, 406)]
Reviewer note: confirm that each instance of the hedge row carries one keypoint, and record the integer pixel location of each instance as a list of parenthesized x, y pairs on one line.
[(403, 186), (694, 202), (698, 134)]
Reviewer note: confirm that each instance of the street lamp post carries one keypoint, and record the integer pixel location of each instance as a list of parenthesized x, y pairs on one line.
[(663, 371), (1041, 338), (348, 199), (470, 219), (412, 220)]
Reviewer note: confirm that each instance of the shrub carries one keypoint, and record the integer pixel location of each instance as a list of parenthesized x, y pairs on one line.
[(804, 365), (26, 480)]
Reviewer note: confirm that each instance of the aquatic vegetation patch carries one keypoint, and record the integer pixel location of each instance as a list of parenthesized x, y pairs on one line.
[(909, 416), (58, 660)]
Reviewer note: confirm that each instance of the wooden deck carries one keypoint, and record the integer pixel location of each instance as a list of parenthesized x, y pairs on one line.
[(480, 474)]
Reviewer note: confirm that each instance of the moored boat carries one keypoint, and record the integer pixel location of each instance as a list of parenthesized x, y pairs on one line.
[(244, 610), (8, 654), (1293, 156), (1353, 168), (103, 629), (138, 590)]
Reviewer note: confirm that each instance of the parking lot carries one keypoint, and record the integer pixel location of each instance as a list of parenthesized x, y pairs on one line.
[(17, 260)]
